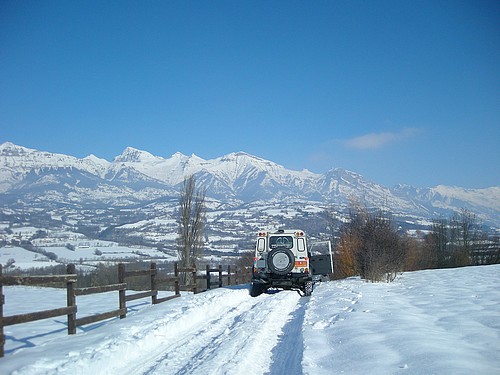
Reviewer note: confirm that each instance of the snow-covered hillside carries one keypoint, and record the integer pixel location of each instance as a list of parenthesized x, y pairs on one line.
[(426, 322), (87, 254)]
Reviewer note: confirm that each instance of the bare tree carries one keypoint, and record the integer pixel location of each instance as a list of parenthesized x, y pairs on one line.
[(370, 246), (333, 224), (438, 240), (469, 225), (346, 253), (420, 255), (459, 241), (382, 253), (464, 227), (191, 226)]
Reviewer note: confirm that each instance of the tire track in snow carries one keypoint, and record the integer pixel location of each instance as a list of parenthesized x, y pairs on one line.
[(288, 353), (238, 340)]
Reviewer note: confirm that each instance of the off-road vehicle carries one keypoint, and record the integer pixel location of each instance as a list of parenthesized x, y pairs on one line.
[(281, 261)]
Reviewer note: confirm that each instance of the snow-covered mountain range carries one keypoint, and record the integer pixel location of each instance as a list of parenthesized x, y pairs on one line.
[(137, 176)]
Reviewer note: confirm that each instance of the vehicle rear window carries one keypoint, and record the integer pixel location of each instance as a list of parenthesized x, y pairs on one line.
[(301, 244), (261, 245), (281, 241)]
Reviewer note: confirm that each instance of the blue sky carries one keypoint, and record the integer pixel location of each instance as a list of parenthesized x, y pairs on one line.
[(399, 91)]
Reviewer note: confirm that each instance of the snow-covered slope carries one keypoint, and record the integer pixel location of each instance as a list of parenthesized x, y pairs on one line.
[(17, 161), (484, 202), (136, 176), (426, 322)]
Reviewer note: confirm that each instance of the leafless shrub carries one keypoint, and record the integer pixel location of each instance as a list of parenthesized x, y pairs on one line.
[(370, 246)]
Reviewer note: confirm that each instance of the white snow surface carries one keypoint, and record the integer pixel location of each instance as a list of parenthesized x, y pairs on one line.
[(84, 250), (426, 322), (487, 197)]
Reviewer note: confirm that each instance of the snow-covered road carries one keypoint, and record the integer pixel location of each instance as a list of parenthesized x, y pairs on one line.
[(223, 333), (434, 321)]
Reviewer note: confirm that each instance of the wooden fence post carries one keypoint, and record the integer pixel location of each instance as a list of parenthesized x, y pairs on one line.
[(121, 293), (154, 297), (195, 282), (208, 276), (71, 300), (220, 275), (176, 282), (2, 301)]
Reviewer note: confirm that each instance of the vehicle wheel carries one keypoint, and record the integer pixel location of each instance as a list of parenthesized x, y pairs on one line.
[(281, 261), (256, 289), (308, 288)]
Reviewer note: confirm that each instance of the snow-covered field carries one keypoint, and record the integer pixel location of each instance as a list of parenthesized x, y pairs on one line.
[(426, 322), (107, 253)]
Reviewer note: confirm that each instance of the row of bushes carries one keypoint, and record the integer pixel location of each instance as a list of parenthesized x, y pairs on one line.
[(371, 246)]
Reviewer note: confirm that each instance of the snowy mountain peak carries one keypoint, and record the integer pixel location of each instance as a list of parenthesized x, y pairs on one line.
[(345, 176), (133, 155), (178, 155), (196, 158), (94, 159), (10, 149), (240, 160), (241, 155)]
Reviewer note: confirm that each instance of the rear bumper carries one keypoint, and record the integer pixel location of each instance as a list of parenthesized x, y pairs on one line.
[(292, 280)]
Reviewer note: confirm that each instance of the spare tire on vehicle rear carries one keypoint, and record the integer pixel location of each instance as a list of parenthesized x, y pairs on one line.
[(280, 261)]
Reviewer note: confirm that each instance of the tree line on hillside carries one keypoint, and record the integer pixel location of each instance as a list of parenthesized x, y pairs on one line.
[(370, 245)]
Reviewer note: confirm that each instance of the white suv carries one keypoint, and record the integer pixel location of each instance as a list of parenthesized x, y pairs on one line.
[(281, 261)]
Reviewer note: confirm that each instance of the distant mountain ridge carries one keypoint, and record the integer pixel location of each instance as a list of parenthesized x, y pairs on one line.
[(138, 176)]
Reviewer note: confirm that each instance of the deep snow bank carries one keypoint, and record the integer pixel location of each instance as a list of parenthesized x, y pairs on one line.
[(426, 322)]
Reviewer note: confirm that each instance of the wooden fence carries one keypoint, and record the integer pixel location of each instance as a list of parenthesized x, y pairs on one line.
[(69, 281)]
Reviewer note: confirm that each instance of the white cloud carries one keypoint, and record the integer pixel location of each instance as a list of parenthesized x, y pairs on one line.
[(374, 141)]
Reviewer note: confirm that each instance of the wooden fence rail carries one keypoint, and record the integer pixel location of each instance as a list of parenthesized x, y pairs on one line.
[(69, 310), (70, 279)]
